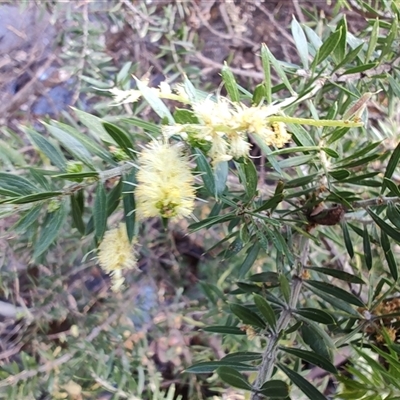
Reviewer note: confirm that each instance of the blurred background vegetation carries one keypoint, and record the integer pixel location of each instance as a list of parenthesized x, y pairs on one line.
[(63, 333)]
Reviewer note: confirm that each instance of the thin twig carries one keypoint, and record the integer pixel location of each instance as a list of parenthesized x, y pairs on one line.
[(377, 201), (270, 354), (82, 60)]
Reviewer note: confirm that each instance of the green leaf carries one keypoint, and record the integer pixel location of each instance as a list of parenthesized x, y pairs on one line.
[(274, 389), (251, 175), (347, 239), (344, 276), (327, 48), (393, 215), (247, 316), (77, 211), (271, 203), (266, 310), (77, 176), (331, 153), (206, 172), (336, 302), (30, 198), (145, 125), (362, 161), (76, 148), (279, 70), (233, 377), (336, 292), (392, 165), (209, 367), (372, 41), (248, 262), (120, 137), (93, 123), (100, 211), (340, 50), (313, 338), (16, 184), (285, 287), (391, 186), (243, 356), (229, 330), (220, 176), (360, 68), (28, 219), (184, 116), (88, 142), (155, 102), (129, 204), (312, 358), (49, 230), (269, 279), (389, 256), (300, 42), (230, 83), (268, 153), (393, 233), (367, 249), (315, 315), (306, 387), (208, 222), (337, 134), (389, 38), (267, 72), (51, 152), (302, 181)]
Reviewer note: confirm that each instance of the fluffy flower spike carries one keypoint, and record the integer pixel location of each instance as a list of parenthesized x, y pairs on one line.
[(165, 183), (117, 253)]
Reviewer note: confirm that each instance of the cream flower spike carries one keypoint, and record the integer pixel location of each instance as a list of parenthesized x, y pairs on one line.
[(117, 253), (165, 183)]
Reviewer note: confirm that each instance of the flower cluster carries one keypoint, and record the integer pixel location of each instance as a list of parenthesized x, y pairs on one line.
[(117, 253), (165, 183), (225, 126)]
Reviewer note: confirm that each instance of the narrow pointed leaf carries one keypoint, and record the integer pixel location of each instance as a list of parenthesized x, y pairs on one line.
[(243, 356), (50, 229), (312, 358), (206, 172), (230, 83), (347, 240), (344, 276), (120, 137), (247, 316), (75, 147), (100, 211), (233, 378), (392, 165), (388, 229), (229, 330), (367, 249), (393, 215), (275, 389), (390, 259), (336, 291), (250, 259), (209, 367), (315, 315), (47, 148), (306, 387), (128, 200), (265, 310)]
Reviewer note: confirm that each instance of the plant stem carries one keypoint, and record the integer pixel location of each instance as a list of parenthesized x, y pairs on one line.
[(270, 354), (377, 201)]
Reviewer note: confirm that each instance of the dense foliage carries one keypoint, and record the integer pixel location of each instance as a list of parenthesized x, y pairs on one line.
[(306, 274)]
